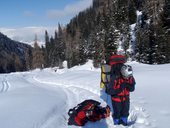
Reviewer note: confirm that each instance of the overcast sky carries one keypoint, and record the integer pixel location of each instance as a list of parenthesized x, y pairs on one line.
[(22, 19)]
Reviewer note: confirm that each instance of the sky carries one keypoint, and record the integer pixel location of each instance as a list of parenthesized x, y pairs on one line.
[(18, 18)]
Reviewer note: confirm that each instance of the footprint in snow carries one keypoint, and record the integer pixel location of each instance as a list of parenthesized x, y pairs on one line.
[(139, 117)]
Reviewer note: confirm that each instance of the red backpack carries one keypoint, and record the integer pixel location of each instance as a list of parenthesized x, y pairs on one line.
[(115, 63), (117, 59), (110, 69), (88, 110)]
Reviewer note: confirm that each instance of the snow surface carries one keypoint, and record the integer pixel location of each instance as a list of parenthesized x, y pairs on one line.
[(42, 98)]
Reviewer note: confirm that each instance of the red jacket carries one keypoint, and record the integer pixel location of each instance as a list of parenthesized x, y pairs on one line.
[(119, 88)]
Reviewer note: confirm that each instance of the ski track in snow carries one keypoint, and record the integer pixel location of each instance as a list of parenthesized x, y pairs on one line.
[(5, 85), (51, 119), (74, 92), (139, 118)]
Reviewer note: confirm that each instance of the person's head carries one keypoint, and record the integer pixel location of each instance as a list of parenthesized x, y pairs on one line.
[(116, 69), (126, 71)]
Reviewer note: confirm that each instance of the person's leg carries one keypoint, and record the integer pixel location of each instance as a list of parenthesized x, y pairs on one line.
[(116, 112), (125, 112)]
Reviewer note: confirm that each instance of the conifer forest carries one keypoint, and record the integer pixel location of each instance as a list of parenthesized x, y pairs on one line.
[(140, 29)]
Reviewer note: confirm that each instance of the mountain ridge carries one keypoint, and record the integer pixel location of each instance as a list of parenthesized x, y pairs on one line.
[(12, 55)]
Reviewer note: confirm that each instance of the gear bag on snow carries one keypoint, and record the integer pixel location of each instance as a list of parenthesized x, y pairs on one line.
[(106, 69), (88, 110)]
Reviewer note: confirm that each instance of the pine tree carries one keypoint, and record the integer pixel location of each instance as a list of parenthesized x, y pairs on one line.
[(142, 42), (53, 53), (163, 33), (47, 51), (38, 58), (112, 34), (17, 63), (28, 59), (99, 54), (132, 12), (61, 47), (68, 50), (165, 16), (124, 15)]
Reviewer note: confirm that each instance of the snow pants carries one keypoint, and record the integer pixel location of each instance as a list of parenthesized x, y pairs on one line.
[(121, 109)]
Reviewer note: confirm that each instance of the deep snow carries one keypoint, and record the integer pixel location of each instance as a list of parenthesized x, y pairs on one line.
[(42, 98)]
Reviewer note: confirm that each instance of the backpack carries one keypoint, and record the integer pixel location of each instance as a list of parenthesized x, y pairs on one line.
[(116, 62), (105, 75), (88, 110), (108, 70)]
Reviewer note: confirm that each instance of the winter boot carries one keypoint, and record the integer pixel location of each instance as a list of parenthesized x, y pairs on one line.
[(124, 121), (116, 121)]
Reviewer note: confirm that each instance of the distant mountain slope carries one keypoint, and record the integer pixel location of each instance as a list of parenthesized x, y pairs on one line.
[(12, 55)]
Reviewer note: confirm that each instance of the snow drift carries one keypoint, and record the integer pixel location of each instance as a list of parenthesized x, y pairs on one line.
[(42, 98)]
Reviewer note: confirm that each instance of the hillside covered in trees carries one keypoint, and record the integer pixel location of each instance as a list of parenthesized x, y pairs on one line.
[(13, 55), (106, 26), (140, 29)]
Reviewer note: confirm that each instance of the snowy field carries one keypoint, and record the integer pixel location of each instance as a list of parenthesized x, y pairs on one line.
[(42, 98)]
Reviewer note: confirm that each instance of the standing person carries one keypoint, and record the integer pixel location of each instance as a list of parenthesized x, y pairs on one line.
[(121, 84)]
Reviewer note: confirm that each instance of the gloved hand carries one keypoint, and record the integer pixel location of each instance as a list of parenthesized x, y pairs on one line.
[(124, 85)]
